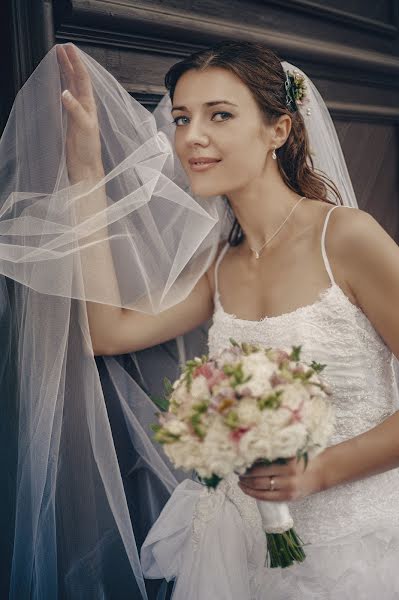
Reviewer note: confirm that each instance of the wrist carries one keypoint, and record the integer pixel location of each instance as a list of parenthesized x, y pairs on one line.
[(321, 471), (90, 173)]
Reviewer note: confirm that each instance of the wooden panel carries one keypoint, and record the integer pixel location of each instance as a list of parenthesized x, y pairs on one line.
[(377, 17), (349, 48), (146, 38), (32, 36), (372, 155)]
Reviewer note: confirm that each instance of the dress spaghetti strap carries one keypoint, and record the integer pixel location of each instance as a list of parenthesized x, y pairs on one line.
[(218, 261), (323, 246)]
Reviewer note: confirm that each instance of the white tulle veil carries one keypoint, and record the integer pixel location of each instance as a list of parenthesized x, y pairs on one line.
[(89, 479)]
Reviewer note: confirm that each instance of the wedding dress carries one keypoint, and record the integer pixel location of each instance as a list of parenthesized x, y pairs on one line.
[(213, 543)]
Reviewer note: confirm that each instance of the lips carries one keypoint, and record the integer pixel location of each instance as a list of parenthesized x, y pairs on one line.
[(203, 160), (203, 163), (203, 166)]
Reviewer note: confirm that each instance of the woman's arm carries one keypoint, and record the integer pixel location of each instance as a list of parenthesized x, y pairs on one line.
[(113, 330), (371, 259), (371, 262), (133, 330)]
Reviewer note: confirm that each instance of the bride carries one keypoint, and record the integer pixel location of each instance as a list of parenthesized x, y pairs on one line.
[(264, 244)]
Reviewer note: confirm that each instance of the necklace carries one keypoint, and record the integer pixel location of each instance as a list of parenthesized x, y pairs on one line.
[(258, 252)]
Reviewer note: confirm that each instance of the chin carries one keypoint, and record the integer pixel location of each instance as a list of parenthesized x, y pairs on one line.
[(207, 191)]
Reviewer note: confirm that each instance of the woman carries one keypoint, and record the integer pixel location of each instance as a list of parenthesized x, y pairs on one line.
[(256, 140), (233, 138)]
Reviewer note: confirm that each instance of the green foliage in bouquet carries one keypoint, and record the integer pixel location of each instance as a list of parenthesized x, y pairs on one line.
[(163, 403)]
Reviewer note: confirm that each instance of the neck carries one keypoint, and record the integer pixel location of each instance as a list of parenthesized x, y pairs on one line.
[(261, 207)]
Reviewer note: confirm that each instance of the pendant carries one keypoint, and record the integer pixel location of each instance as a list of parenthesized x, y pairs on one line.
[(256, 254)]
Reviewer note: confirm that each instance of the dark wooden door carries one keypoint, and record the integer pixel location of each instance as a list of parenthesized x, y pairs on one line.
[(350, 48)]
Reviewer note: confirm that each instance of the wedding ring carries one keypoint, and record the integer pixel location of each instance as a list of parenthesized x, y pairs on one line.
[(271, 488)]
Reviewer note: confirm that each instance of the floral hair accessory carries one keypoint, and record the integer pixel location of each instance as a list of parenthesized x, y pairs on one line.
[(296, 90)]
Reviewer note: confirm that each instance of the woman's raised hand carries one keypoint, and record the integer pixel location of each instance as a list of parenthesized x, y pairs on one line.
[(83, 145)]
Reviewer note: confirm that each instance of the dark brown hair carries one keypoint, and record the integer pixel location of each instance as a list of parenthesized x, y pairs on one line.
[(261, 71)]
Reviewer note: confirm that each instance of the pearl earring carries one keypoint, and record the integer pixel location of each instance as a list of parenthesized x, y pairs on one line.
[(274, 155)]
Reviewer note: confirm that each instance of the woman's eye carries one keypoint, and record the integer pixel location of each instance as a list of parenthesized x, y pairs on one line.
[(175, 121), (222, 113)]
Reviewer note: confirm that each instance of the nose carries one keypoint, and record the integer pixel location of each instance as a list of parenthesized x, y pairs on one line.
[(196, 133)]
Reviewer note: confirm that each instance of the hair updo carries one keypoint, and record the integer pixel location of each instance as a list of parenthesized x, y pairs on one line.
[(260, 69)]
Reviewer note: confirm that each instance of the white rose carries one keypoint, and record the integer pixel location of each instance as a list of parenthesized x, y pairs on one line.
[(186, 455), (319, 418), (255, 444), (276, 419), (294, 394), (228, 357), (219, 451), (248, 412), (176, 427), (260, 369), (221, 466), (180, 394), (288, 440), (199, 388)]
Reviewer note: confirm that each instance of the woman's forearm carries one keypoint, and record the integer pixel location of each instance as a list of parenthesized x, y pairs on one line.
[(97, 265), (369, 453)]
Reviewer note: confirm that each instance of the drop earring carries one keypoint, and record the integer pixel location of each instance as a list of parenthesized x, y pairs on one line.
[(274, 155)]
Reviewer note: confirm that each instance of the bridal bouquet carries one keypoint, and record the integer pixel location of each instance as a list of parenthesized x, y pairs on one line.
[(248, 404)]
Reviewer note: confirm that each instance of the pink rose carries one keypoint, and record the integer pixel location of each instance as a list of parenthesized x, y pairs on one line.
[(211, 374), (237, 434)]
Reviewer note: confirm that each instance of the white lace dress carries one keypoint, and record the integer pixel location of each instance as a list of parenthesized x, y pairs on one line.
[(212, 543)]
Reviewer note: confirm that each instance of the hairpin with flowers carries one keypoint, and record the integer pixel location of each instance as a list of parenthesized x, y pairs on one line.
[(296, 91)]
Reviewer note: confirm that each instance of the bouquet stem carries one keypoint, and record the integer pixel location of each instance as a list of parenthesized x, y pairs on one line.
[(284, 546), (283, 549)]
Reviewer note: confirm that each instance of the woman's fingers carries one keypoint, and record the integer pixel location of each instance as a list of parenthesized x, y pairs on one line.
[(263, 483), (79, 104), (81, 76), (66, 70), (74, 108), (280, 495), (290, 468)]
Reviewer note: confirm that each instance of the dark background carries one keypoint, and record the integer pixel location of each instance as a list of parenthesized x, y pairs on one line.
[(350, 48)]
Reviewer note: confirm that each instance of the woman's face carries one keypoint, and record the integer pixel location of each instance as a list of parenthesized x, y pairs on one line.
[(233, 133)]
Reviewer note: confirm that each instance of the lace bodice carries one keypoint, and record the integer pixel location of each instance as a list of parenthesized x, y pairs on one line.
[(335, 332)]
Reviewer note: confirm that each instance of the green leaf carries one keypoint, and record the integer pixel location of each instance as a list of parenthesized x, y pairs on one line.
[(271, 401), (231, 419), (197, 425), (211, 482), (168, 386), (318, 367), (155, 427), (296, 353), (162, 403), (201, 407)]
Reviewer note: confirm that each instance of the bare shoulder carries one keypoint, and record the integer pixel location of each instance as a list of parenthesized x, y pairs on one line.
[(366, 252), (355, 233), (371, 260)]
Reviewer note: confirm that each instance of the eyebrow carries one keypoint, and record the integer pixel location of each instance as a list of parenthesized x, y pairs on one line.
[(211, 103)]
